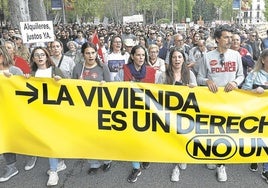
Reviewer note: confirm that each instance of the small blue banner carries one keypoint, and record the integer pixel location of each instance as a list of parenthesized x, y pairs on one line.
[(56, 4)]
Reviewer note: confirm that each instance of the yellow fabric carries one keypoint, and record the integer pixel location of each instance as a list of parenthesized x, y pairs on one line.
[(131, 121)]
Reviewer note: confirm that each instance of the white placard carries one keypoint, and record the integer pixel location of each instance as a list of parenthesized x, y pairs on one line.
[(133, 18), (37, 31)]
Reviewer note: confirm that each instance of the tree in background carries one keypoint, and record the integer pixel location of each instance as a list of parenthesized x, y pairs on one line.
[(25, 11), (37, 10), (87, 10), (266, 9), (153, 10), (205, 10), (181, 10), (20, 12), (188, 9), (224, 9)]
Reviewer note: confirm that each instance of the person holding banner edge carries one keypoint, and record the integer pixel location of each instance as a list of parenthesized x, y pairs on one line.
[(178, 73), (8, 69), (137, 70), (221, 67), (43, 67), (93, 69), (257, 81)]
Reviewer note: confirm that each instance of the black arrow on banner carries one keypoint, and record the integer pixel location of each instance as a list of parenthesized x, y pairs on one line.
[(33, 93)]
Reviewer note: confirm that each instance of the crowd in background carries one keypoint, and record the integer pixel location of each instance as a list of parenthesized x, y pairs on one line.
[(73, 36), (139, 53)]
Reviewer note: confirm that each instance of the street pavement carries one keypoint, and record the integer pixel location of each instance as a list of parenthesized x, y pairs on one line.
[(157, 176)]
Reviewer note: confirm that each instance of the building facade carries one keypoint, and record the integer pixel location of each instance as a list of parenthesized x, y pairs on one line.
[(252, 13)]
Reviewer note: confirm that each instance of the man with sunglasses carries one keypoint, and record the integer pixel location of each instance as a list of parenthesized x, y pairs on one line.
[(255, 44), (152, 37), (221, 67), (128, 34), (179, 42)]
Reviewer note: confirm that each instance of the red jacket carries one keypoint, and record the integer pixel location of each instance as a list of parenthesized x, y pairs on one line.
[(22, 64)]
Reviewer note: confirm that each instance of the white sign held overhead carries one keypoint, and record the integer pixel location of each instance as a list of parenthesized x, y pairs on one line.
[(96, 21), (132, 19), (181, 27), (37, 31)]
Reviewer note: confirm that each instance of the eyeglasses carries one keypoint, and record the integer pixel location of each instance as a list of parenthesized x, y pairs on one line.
[(40, 55), (253, 35), (152, 33), (222, 59)]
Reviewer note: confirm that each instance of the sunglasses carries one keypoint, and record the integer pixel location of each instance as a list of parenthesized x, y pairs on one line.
[(15, 38), (222, 59)]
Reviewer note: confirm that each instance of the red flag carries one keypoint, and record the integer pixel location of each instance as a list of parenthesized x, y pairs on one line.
[(95, 40)]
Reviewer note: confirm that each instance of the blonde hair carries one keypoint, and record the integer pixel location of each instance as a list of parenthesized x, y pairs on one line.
[(7, 60), (153, 46), (12, 44)]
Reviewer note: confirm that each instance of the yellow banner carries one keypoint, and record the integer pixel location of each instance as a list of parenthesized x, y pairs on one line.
[(131, 121)]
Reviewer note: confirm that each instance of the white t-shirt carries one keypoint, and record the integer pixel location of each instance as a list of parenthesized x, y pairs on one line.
[(44, 73), (2, 71), (115, 62)]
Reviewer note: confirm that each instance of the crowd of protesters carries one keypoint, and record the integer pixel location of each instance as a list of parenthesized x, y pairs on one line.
[(139, 53)]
